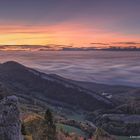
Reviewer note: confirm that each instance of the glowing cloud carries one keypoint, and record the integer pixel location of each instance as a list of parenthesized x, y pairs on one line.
[(74, 33)]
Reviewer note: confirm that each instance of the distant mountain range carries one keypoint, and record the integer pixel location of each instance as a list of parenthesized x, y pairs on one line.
[(55, 47), (106, 48)]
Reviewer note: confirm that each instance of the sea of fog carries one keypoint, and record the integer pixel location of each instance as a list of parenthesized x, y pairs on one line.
[(109, 67)]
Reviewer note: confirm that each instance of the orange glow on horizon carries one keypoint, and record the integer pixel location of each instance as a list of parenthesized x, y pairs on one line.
[(64, 33)]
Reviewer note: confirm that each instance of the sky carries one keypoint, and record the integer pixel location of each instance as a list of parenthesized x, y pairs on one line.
[(70, 22)]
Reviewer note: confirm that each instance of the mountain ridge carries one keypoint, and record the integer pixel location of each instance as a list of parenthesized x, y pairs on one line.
[(30, 82)]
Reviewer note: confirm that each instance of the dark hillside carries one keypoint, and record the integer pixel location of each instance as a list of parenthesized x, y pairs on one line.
[(28, 82)]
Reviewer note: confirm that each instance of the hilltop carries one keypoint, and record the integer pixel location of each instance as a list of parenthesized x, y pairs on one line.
[(31, 84)]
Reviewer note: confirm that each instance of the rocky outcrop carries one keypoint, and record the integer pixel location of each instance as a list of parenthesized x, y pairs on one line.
[(10, 125)]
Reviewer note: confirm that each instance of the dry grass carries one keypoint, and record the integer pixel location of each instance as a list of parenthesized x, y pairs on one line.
[(28, 137)]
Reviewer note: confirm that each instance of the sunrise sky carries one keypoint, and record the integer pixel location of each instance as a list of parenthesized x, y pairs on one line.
[(70, 22)]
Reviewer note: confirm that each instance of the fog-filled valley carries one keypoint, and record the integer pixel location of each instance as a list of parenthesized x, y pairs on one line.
[(108, 67)]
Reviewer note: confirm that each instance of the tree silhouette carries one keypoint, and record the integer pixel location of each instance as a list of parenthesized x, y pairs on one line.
[(50, 129), (48, 117)]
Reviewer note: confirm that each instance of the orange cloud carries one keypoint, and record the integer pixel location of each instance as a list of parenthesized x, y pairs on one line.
[(77, 33)]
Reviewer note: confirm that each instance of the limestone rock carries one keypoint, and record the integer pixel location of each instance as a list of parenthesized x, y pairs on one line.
[(10, 125)]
